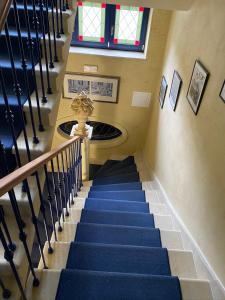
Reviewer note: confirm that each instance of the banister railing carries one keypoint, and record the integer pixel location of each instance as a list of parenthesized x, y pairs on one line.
[(4, 9), (64, 166), (10, 181)]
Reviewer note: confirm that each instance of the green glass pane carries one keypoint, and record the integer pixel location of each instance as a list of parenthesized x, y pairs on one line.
[(91, 21), (128, 25)]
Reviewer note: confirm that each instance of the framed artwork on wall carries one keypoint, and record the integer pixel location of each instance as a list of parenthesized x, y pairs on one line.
[(222, 92), (98, 88), (197, 85), (163, 90), (175, 89)]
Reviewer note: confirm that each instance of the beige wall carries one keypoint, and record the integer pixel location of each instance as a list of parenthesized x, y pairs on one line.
[(187, 152), (135, 75)]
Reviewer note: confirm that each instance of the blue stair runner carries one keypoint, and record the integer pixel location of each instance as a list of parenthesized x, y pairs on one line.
[(117, 252), (5, 133)]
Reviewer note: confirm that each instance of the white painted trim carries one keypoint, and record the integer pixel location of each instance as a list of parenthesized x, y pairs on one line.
[(107, 52), (215, 282)]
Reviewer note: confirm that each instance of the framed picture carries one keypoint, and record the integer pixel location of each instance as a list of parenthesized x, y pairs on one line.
[(175, 89), (98, 88), (197, 86), (162, 93), (222, 92)]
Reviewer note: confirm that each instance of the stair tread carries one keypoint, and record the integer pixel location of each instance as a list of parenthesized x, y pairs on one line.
[(117, 187), (111, 286), (117, 179), (118, 234), (122, 170), (118, 258), (107, 164), (118, 218), (134, 195), (94, 203)]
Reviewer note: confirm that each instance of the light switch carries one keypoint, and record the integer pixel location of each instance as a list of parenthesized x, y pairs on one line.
[(90, 69)]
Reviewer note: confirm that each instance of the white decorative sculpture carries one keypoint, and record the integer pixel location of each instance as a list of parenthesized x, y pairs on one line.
[(83, 107)]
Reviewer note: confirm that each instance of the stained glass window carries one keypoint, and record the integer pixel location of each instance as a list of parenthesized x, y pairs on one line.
[(91, 21), (110, 26), (128, 25)]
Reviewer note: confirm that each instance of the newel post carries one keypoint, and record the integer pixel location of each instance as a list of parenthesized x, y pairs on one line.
[(83, 108)]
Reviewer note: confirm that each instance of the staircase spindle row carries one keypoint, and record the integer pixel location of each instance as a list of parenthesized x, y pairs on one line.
[(28, 53), (62, 172)]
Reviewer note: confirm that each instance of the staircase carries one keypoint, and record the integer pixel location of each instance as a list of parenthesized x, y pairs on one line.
[(119, 242), (34, 46)]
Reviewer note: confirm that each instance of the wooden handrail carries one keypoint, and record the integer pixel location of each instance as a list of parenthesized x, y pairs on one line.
[(10, 181), (4, 9)]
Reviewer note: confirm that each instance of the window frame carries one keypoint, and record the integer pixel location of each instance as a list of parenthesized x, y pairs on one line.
[(108, 44)]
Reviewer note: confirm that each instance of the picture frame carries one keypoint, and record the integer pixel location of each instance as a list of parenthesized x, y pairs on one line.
[(197, 86), (97, 87), (175, 89), (222, 92), (163, 90)]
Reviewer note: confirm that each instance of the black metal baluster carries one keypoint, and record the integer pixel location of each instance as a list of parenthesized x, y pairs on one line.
[(53, 31), (23, 236), (51, 64), (50, 201), (24, 67), (61, 16), (76, 166), (14, 205), (31, 47), (60, 186), (11, 245), (80, 165), (42, 24), (10, 121), (5, 292), (8, 255), (64, 185), (68, 179), (67, 5), (64, 5), (42, 209), (19, 221), (55, 196), (58, 35), (38, 44), (34, 220), (72, 173), (17, 90)]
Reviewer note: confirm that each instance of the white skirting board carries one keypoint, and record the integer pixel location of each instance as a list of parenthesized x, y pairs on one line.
[(204, 269)]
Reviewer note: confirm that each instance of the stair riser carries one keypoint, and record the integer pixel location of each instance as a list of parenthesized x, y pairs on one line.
[(35, 149), (68, 22), (48, 115), (56, 77)]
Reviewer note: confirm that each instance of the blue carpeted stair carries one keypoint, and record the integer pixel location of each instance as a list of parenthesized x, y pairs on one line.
[(5, 64), (117, 252)]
